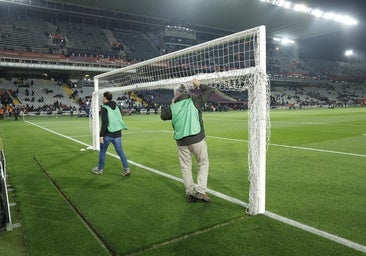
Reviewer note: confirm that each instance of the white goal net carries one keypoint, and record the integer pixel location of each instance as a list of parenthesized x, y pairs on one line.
[(236, 62)]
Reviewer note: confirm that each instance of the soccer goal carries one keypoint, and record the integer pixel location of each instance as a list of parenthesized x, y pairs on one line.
[(236, 62)]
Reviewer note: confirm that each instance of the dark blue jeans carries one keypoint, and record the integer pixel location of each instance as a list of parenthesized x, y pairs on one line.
[(117, 143)]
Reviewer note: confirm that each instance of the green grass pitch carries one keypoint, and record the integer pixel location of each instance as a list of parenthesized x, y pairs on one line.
[(316, 176)]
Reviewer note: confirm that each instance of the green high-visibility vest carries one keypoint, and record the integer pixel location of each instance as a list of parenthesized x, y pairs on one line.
[(185, 119), (115, 121)]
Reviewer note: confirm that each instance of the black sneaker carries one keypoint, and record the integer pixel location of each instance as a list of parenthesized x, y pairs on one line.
[(191, 198), (203, 197)]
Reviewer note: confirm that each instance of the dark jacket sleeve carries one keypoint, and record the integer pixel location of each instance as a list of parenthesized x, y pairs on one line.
[(206, 93), (166, 113), (104, 126)]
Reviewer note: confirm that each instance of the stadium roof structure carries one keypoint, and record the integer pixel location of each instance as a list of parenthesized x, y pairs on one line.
[(320, 36), (238, 15)]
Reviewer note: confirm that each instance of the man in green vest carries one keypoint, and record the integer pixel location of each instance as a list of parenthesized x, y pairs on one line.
[(110, 132), (185, 112)]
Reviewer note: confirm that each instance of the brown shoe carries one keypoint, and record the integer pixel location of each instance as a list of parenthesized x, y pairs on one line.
[(204, 197)]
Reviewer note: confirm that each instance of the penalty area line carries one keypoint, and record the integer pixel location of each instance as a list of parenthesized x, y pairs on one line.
[(296, 147), (274, 216)]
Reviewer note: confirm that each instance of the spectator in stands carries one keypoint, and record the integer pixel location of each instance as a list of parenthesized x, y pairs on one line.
[(2, 111), (16, 113), (10, 110), (186, 115), (110, 131)]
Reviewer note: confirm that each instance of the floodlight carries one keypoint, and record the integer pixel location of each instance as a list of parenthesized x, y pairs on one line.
[(284, 4), (314, 12), (345, 19), (348, 53), (317, 12), (329, 15), (302, 8), (284, 40)]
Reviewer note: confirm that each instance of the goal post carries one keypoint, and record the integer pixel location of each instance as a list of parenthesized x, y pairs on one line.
[(236, 62)]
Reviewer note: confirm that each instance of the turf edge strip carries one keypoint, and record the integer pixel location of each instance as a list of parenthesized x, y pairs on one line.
[(189, 235)]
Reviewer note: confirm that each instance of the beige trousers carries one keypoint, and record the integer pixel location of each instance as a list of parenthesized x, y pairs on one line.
[(199, 150)]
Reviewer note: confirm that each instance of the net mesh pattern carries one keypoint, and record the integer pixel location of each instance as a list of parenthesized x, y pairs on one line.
[(231, 63)]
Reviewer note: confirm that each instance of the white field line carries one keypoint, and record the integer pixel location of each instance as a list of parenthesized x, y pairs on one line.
[(284, 122), (293, 147), (329, 124), (296, 147), (79, 136), (334, 238), (337, 239)]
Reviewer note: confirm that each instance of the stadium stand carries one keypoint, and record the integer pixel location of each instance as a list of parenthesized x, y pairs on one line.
[(68, 40), (138, 46)]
